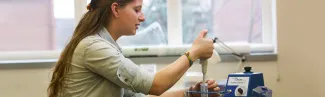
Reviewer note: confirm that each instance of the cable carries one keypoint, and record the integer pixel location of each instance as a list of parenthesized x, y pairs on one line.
[(238, 56)]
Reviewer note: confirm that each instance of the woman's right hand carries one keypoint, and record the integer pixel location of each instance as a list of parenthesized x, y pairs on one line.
[(202, 47)]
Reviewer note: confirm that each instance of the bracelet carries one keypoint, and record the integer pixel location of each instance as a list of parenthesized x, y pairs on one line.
[(187, 54)]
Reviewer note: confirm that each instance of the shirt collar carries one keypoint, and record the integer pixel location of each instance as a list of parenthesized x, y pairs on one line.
[(105, 34)]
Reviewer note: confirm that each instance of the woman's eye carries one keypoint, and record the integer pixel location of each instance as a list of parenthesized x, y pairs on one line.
[(137, 9)]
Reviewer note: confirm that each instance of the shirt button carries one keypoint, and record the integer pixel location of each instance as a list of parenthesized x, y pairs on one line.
[(126, 80), (119, 75)]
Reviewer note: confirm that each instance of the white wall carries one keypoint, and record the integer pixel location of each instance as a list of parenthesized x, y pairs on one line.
[(301, 44), (301, 34)]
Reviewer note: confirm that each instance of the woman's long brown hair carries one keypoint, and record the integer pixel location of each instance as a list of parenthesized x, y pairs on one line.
[(92, 21)]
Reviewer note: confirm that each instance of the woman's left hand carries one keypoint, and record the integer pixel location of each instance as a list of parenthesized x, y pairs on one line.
[(212, 86)]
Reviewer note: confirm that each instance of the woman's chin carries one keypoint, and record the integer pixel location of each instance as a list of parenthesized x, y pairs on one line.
[(131, 34), (134, 32)]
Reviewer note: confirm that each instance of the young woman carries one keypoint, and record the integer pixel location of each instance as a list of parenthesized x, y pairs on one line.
[(92, 64)]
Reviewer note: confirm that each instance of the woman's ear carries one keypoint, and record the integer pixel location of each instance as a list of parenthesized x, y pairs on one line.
[(114, 8)]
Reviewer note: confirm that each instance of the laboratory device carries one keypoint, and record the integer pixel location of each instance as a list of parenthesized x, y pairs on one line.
[(238, 84)]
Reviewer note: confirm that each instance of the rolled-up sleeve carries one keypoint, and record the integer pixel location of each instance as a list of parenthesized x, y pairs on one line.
[(105, 60), (129, 93)]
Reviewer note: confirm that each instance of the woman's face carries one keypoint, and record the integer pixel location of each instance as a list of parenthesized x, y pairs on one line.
[(129, 17)]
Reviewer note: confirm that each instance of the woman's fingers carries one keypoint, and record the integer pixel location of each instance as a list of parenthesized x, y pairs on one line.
[(212, 87), (203, 33), (212, 84), (217, 89)]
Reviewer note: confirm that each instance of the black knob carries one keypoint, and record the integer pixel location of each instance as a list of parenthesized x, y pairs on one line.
[(248, 69)]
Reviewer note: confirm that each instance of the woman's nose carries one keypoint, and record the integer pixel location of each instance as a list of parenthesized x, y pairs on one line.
[(142, 17)]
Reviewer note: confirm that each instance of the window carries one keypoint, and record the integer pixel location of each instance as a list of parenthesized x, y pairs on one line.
[(230, 20), (64, 21), (238, 23), (247, 26), (170, 26)]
